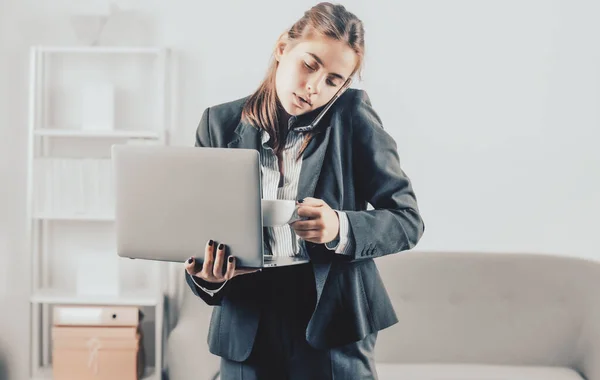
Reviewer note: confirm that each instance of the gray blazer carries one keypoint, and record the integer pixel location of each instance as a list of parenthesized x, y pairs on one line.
[(350, 162)]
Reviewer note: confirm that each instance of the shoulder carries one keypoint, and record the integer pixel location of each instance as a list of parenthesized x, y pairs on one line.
[(353, 97), (219, 121), (349, 99), (356, 106), (227, 112)]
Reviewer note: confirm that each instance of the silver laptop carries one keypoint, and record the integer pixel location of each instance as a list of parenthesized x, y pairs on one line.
[(171, 200)]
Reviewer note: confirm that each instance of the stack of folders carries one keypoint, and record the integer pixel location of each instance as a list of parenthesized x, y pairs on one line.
[(97, 342)]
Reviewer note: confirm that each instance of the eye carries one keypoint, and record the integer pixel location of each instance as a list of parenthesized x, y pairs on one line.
[(308, 66), (330, 83)]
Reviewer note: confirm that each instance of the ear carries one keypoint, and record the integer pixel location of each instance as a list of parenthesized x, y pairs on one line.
[(280, 46)]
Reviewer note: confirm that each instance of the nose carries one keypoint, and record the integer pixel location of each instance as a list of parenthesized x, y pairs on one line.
[(314, 83)]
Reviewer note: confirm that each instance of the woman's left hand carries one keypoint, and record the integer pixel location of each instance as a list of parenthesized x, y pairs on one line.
[(323, 224)]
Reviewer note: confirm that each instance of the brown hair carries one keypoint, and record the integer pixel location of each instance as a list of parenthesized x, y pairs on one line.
[(329, 20)]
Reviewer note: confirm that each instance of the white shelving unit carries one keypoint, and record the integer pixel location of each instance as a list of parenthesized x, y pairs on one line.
[(69, 196), (45, 373)]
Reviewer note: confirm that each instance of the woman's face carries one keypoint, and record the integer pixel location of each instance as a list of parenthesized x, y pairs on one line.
[(311, 71)]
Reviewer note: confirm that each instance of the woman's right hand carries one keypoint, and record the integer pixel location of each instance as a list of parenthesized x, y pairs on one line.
[(212, 268)]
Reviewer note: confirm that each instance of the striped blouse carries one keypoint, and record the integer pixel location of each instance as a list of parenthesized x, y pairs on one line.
[(282, 239)]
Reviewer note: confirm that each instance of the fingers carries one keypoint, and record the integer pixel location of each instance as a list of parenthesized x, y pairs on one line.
[(190, 266), (217, 270), (312, 212), (308, 225), (230, 273), (209, 258), (212, 268), (314, 202), (312, 236)]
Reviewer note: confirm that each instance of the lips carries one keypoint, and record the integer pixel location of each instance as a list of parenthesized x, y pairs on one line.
[(302, 101)]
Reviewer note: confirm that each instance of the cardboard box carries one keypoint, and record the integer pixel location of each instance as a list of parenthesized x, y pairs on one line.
[(111, 349), (96, 316)]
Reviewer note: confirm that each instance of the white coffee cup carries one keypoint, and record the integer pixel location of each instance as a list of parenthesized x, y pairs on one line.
[(278, 212)]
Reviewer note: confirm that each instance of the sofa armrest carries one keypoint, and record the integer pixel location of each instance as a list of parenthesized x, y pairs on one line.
[(189, 357), (589, 340)]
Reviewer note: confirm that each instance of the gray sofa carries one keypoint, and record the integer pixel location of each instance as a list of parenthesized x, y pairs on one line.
[(463, 316)]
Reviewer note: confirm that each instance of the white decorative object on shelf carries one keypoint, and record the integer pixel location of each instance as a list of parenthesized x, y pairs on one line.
[(88, 27), (98, 274), (112, 26), (98, 107), (126, 26)]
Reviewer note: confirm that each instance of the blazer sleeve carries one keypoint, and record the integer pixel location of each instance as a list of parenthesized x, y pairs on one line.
[(203, 130), (395, 223), (212, 300)]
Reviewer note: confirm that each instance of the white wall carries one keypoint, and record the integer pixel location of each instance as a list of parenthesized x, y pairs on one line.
[(495, 107)]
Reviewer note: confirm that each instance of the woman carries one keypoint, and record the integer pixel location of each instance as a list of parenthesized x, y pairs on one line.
[(318, 320)]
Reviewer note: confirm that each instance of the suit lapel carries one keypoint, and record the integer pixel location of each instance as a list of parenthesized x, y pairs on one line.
[(247, 137), (312, 163)]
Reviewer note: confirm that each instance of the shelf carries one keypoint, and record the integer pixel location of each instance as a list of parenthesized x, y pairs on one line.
[(45, 373), (131, 298), (49, 132), (102, 49), (82, 217)]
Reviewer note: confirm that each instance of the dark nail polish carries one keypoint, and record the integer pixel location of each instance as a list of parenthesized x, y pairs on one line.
[(210, 243), (190, 260), (230, 259), (300, 200), (221, 246)]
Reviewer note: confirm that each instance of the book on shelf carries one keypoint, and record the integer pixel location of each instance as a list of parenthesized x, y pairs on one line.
[(73, 186)]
